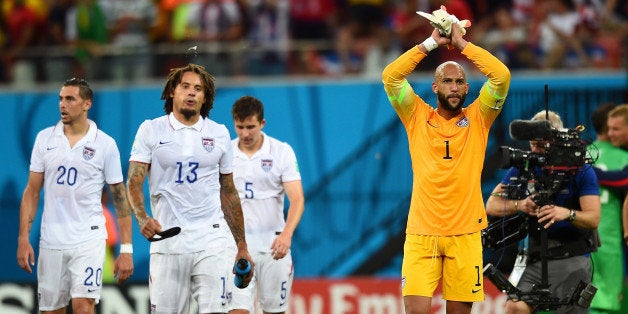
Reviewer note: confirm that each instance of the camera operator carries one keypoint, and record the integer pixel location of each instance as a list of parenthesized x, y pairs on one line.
[(570, 218)]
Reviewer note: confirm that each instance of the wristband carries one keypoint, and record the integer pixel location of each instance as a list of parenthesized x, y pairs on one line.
[(126, 248), (516, 201), (572, 215), (430, 44)]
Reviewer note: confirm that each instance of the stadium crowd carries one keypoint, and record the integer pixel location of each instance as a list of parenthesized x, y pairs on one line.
[(127, 40)]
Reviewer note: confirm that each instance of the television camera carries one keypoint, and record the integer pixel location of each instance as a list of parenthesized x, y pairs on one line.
[(541, 175)]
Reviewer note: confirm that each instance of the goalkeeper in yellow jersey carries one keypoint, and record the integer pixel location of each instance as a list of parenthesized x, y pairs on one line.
[(447, 147)]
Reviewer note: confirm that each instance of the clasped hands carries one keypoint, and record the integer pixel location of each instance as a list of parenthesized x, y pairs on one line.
[(443, 21), (547, 214)]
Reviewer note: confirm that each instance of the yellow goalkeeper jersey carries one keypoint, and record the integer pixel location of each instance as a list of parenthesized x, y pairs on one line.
[(447, 155)]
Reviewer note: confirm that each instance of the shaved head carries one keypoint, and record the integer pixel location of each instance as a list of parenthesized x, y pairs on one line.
[(438, 74), (451, 87)]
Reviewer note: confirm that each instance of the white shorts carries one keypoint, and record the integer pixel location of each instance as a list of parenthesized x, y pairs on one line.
[(68, 274), (272, 281), (201, 275)]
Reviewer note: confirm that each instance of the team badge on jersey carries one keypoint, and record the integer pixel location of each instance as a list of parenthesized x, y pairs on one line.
[(267, 164), (209, 144), (463, 122), (88, 153)]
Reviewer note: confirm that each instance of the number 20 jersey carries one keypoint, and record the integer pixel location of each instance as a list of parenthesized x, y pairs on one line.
[(73, 182)]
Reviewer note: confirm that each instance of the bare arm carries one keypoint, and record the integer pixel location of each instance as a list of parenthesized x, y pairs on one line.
[(232, 209), (294, 191), (28, 210), (123, 211), (135, 193), (498, 206), (123, 268), (587, 218)]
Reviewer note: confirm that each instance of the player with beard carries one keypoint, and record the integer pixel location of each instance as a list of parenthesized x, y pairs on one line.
[(187, 158), (447, 147)]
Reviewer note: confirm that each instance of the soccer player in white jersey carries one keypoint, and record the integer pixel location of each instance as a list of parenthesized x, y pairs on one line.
[(73, 161), (265, 171), (188, 160)]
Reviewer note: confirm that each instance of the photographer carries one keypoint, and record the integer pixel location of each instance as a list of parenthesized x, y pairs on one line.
[(570, 217)]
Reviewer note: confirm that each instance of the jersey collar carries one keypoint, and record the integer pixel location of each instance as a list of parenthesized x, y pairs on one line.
[(176, 125), (265, 149), (89, 137)]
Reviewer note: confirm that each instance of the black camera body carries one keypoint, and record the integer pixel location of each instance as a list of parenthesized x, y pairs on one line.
[(565, 153), (564, 150), (542, 175)]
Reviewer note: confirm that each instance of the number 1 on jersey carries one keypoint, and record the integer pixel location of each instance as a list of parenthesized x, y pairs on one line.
[(447, 150)]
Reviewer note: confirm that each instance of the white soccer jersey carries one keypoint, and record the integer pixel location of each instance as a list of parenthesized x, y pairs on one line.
[(73, 182), (259, 181), (185, 164)]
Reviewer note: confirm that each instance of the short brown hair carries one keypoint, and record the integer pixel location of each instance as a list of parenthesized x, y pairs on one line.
[(600, 116), (84, 90), (247, 106)]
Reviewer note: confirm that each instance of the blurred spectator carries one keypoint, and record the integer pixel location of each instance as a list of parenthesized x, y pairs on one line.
[(57, 22), (222, 27), (25, 23), (601, 31), (160, 32), (185, 24), (4, 45), (130, 39), (312, 24), (58, 64), (559, 46), (179, 25), (129, 23), (364, 36), (409, 29), (87, 30), (523, 10), (503, 36), (269, 37)]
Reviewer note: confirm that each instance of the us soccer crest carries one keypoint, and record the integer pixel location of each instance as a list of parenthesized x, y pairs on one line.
[(209, 144), (267, 164), (463, 122), (88, 153)]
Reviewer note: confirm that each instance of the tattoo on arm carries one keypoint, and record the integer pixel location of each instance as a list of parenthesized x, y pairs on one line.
[(120, 201), (135, 190), (231, 207)]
